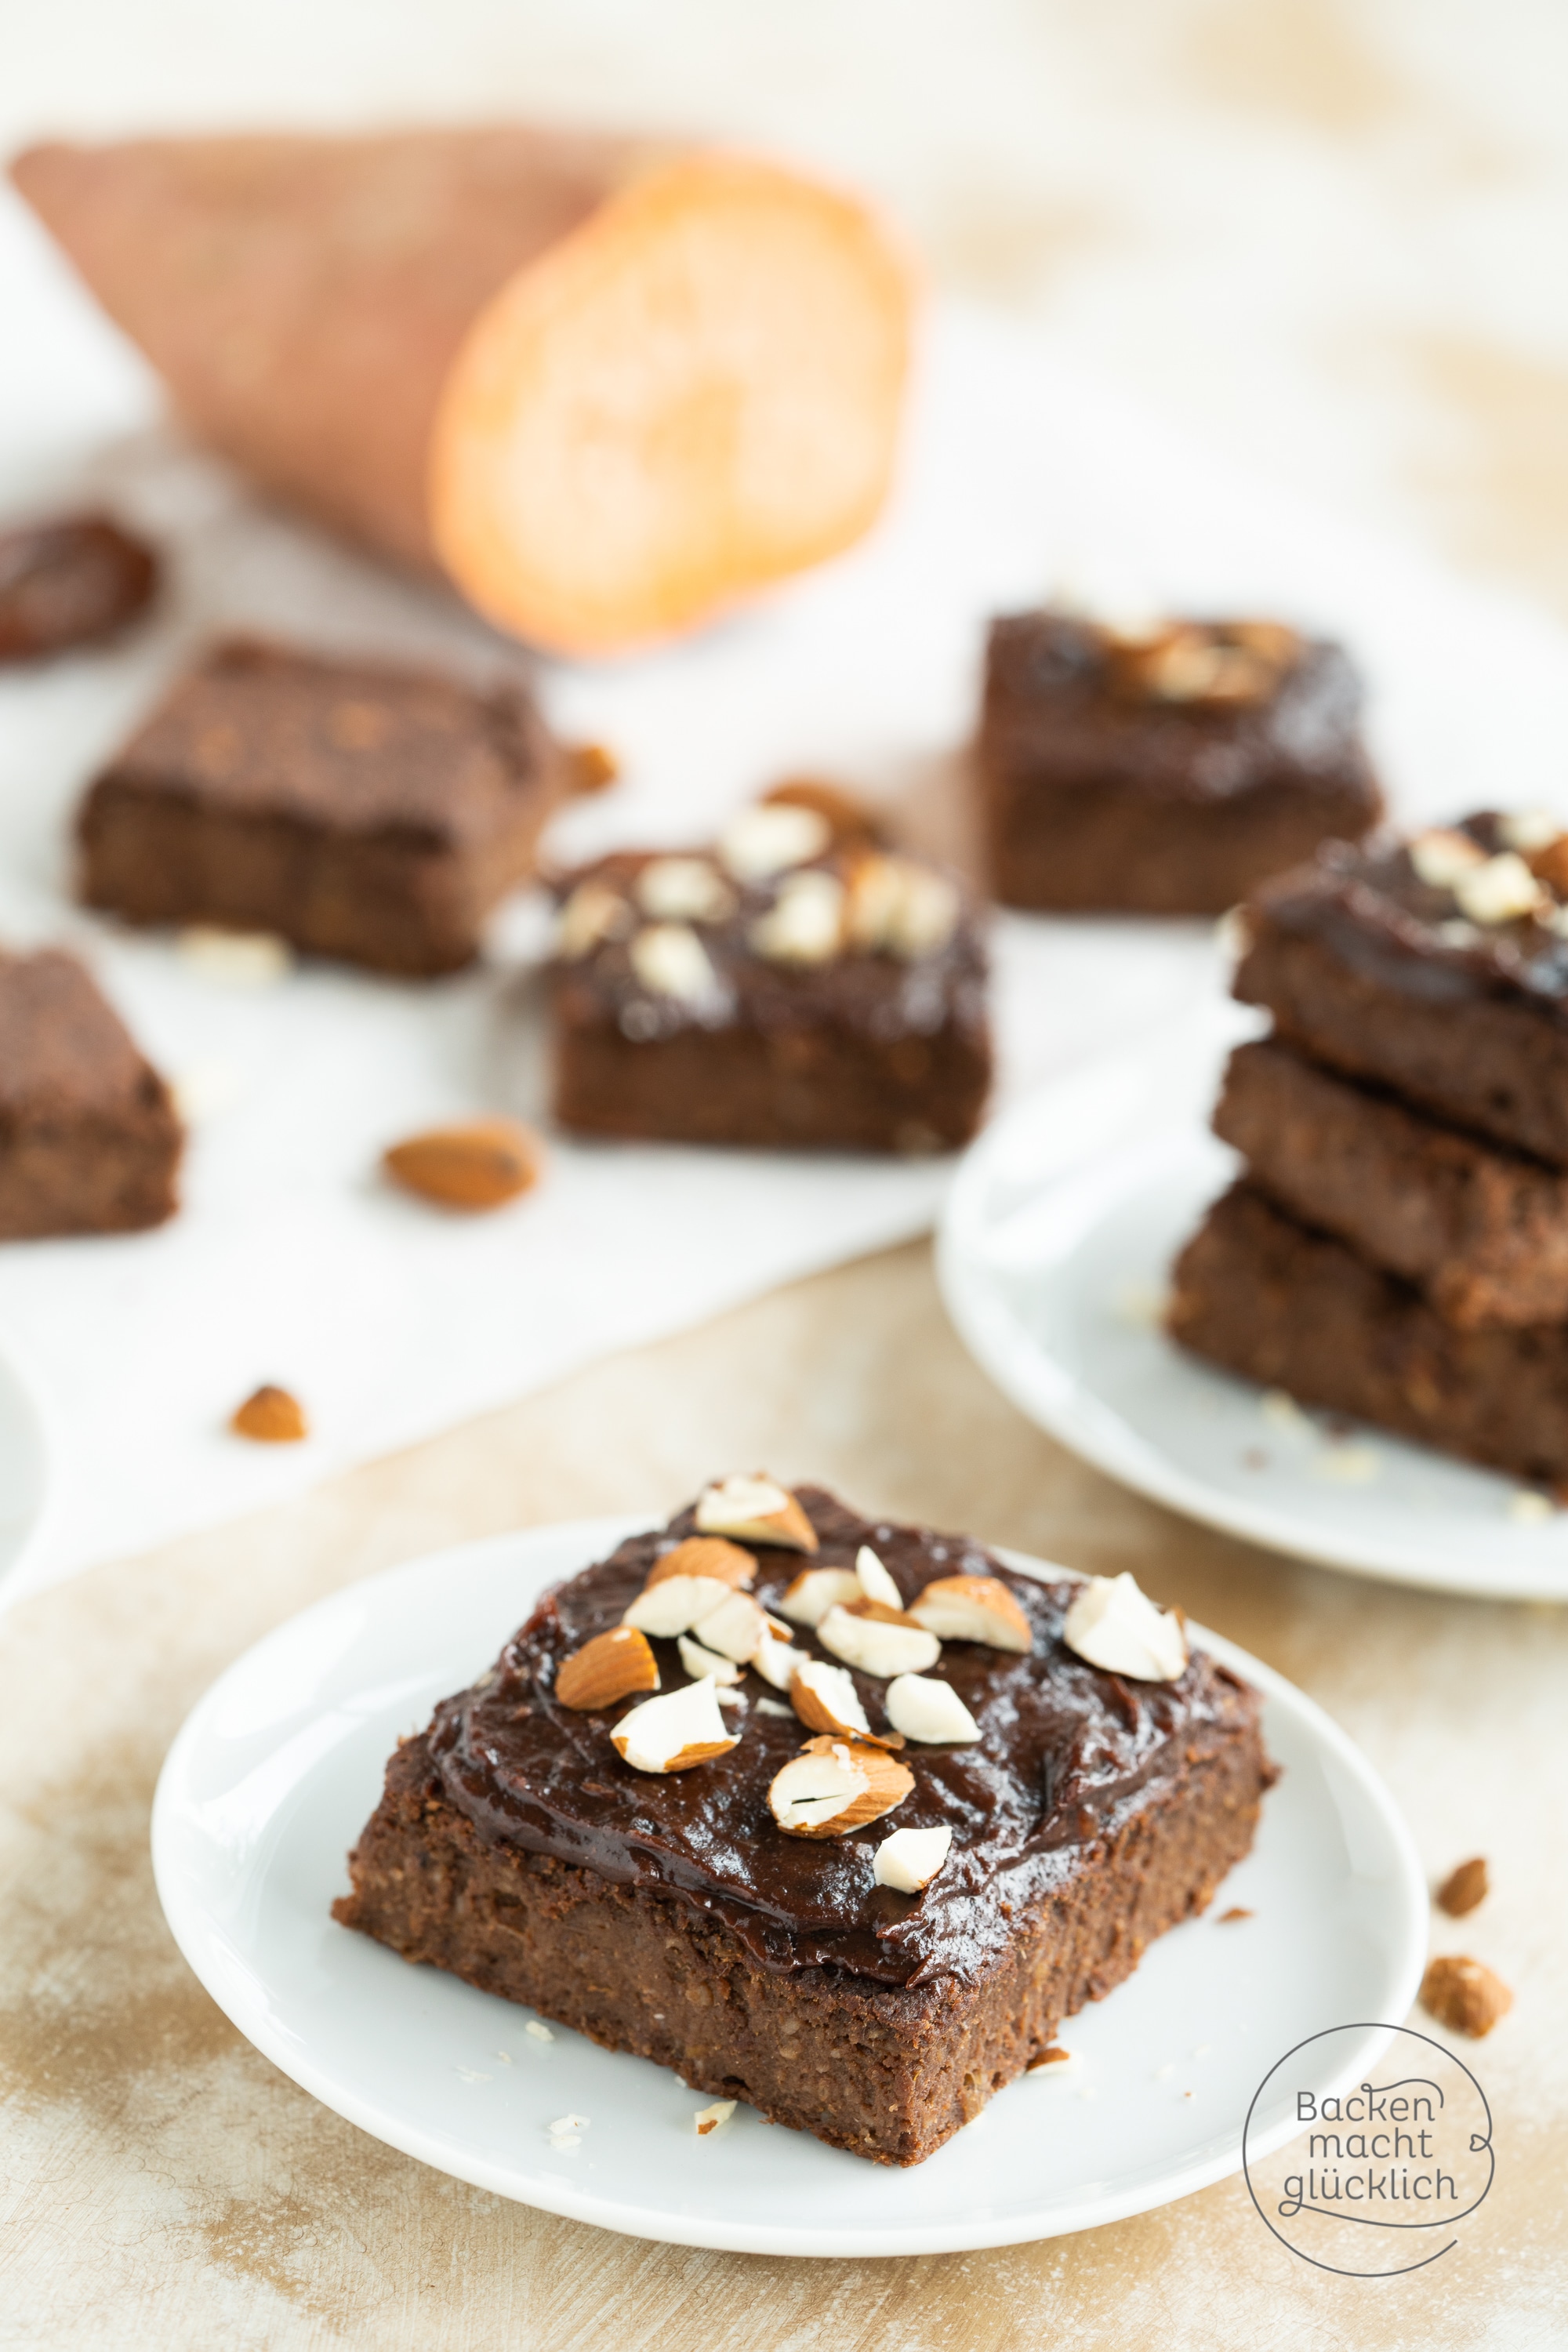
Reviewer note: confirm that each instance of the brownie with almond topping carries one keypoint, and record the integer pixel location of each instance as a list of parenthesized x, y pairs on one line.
[(365, 811), (1435, 967), (670, 1914), (797, 986), (90, 1138), (1483, 1230), (1165, 771)]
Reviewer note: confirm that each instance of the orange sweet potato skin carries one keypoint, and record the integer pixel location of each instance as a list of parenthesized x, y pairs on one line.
[(304, 297)]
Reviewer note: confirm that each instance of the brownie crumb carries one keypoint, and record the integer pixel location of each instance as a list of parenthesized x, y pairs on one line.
[(69, 582), (1464, 1994), (1052, 2055), (1464, 1888), (1237, 1911)]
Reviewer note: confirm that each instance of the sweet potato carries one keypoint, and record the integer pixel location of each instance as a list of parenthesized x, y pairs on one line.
[(609, 388)]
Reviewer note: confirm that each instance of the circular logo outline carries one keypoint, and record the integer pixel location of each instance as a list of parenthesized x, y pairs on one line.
[(1405, 2270)]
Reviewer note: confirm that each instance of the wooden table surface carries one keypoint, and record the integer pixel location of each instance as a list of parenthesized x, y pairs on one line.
[(163, 2186)]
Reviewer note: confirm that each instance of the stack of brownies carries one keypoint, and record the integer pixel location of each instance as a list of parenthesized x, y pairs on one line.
[(1397, 1247)]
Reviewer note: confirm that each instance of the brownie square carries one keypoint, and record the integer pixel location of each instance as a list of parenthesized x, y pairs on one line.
[(1264, 1296), (89, 1142), (1483, 1230), (372, 813), (833, 999), (1436, 967), (1166, 773), (668, 1914)]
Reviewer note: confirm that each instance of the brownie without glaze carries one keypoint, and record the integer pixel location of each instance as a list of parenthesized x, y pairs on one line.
[(1093, 1813), (70, 583), (362, 812), (1370, 969), (1264, 1296), (1483, 1232), (1101, 795), (89, 1142), (864, 1051)]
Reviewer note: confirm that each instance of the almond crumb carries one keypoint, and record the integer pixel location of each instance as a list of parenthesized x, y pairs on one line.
[(270, 1416), (1237, 1911), (1464, 1994), (707, 2120)]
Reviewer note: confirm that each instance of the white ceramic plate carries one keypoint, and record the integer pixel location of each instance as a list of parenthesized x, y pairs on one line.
[(1054, 1251), (26, 1470), (277, 1768)]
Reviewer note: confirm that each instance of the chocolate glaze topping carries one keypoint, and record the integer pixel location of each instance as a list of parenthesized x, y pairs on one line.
[(1371, 909), (1065, 1753), (1056, 700), (874, 994)]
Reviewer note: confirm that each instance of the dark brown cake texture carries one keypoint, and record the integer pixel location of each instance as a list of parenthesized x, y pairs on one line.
[(360, 810), (669, 1912), (74, 581), (89, 1140), (1165, 772), (797, 985), (1483, 1230), (1398, 1247)]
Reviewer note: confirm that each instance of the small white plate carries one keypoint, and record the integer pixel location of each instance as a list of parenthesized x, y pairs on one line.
[(27, 1477), (277, 1768), (1055, 1254)]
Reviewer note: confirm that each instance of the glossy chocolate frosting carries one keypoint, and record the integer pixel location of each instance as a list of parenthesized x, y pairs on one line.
[(1066, 1754), (878, 996), (1056, 705), (1371, 909)]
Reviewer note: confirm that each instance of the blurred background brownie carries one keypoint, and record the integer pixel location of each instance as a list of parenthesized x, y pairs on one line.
[(794, 986), (1167, 772), (369, 813), (89, 1141), (68, 582)]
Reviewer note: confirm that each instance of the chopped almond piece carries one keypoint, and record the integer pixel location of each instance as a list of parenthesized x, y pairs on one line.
[(880, 1642), (973, 1609), (837, 1785), (705, 1556), (672, 1733), (677, 1604), (815, 1591), (826, 1699), (758, 1509), (611, 1666), (270, 1416), (847, 817)]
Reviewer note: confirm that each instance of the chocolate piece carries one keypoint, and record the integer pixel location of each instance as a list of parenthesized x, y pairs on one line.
[(668, 1915), (89, 1142), (70, 583), (836, 1004), (1265, 1297), (1483, 1230), (372, 813), (1386, 977), (1166, 774)]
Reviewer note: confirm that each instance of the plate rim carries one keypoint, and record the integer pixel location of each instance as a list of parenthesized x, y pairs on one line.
[(996, 1340), (187, 1920)]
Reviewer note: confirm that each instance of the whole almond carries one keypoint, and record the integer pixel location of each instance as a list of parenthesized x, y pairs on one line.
[(475, 1165), (591, 768), (705, 1556), (270, 1417), (1464, 1994), (611, 1666), (1463, 1888)]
